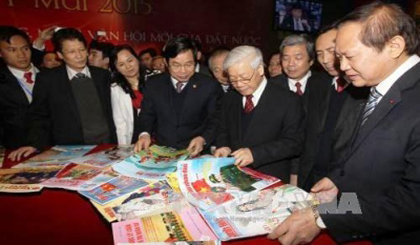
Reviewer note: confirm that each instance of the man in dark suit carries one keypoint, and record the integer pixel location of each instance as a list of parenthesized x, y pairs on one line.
[(72, 102), (260, 122), (297, 57), (324, 110), (295, 21), (179, 107), (376, 45), (17, 77), (216, 60)]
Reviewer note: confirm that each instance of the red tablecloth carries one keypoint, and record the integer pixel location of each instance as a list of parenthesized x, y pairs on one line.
[(56, 216)]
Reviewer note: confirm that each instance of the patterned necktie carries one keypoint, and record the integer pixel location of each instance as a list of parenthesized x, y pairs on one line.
[(249, 105), (371, 104), (80, 75), (179, 86), (298, 90), (28, 77)]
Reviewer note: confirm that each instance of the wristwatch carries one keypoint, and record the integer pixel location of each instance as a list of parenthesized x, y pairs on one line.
[(318, 220)]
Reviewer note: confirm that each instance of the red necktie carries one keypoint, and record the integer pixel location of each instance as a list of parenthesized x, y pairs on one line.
[(249, 105), (28, 76), (341, 84), (298, 90)]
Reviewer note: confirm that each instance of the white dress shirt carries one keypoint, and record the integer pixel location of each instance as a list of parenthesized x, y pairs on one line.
[(174, 82), (257, 93), (27, 87), (71, 73), (386, 84), (303, 82)]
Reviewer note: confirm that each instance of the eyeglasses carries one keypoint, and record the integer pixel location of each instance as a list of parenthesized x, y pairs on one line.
[(242, 80), (178, 67)]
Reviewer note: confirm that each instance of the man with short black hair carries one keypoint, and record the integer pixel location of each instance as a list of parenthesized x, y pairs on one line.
[(179, 107), (146, 57), (72, 103), (17, 77), (216, 67), (99, 53)]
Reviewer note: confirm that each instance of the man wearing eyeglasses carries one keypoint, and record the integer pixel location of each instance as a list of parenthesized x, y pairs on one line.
[(179, 107), (260, 122), (71, 103)]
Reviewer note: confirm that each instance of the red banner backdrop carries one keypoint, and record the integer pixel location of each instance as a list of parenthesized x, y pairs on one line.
[(145, 23)]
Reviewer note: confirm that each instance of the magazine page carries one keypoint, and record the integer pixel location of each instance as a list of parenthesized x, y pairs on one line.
[(153, 164), (254, 214), (113, 189), (106, 175), (125, 206), (61, 153), (21, 180), (106, 157), (72, 176), (156, 199), (185, 225), (209, 182), (172, 179)]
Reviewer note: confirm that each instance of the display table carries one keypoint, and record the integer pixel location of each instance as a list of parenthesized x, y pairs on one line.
[(60, 217)]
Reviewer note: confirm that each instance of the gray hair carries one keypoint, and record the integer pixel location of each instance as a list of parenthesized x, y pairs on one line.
[(240, 53), (293, 40)]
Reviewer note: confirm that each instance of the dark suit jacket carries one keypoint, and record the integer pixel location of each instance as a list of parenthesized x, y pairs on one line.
[(318, 81), (383, 168), (288, 24), (315, 123), (14, 107), (198, 116), (274, 134), (54, 115)]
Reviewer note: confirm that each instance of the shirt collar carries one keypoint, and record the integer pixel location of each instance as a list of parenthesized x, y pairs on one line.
[(71, 73), (197, 67), (386, 84), (19, 74), (257, 93), (302, 81)]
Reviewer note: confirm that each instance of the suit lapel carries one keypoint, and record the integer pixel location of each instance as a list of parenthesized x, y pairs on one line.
[(15, 87), (389, 101), (68, 91), (259, 111), (193, 88)]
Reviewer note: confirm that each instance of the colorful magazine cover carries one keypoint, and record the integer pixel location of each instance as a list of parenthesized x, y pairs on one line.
[(21, 180), (254, 214), (110, 215), (209, 182), (185, 225), (72, 176), (153, 164), (60, 153), (107, 157), (111, 190), (157, 199)]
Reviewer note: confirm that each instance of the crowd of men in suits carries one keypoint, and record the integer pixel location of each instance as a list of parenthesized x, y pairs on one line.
[(351, 128)]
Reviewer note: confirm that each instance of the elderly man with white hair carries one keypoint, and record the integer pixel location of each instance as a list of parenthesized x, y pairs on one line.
[(260, 122)]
